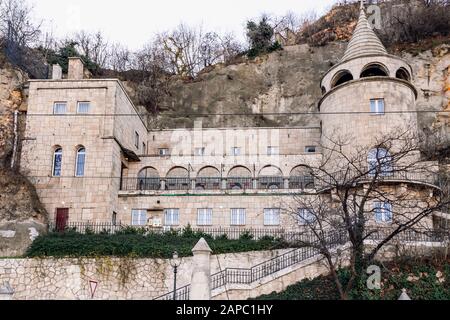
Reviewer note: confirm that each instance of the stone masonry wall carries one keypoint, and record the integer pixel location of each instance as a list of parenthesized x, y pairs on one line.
[(118, 279)]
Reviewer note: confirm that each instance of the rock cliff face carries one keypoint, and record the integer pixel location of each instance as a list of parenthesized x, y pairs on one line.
[(285, 82), (22, 217)]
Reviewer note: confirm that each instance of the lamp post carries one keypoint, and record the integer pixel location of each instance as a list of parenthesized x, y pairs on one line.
[(175, 263)]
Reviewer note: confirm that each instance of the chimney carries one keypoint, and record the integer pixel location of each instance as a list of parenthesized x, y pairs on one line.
[(76, 68), (56, 72)]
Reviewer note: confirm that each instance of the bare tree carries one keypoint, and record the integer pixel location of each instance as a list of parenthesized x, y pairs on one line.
[(16, 23), (119, 58), (376, 193), (93, 46)]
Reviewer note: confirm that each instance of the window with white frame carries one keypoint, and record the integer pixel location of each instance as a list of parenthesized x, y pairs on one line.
[(163, 152), (199, 152), (138, 217), (238, 217), (306, 216), (204, 217), (171, 217), (383, 212), (235, 151), (272, 151), (377, 106), (80, 162), (272, 217), (59, 108), (57, 162), (136, 139), (380, 161), (83, 107)]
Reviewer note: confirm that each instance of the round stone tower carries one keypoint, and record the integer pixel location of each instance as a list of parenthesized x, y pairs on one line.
[(368, 93)]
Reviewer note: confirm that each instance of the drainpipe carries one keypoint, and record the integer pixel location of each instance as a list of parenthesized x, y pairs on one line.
[(16, 138)]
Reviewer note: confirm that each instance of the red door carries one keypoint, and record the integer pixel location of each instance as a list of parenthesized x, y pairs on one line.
[(62, 216)]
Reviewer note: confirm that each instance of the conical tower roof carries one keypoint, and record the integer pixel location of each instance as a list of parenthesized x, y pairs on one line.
[(364, 40)]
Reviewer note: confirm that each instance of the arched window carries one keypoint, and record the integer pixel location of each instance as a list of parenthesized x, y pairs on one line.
[(374, 70), (270, 178), (239, 178), (57, 162), (148, 179), (208, 178), (178, 179), (341, 77), (403, 74), (80, 162), (301, 177), (380, 161)]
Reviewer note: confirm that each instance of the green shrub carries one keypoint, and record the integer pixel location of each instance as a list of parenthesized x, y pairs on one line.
[(139, 243)]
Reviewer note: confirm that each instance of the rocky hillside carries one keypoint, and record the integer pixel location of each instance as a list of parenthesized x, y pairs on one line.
[(22, 216), (286, 81)]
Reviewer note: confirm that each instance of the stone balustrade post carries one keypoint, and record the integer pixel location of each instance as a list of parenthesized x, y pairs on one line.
[(201, 274)]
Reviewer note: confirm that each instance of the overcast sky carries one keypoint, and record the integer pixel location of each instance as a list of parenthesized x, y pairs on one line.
[(133, 22)]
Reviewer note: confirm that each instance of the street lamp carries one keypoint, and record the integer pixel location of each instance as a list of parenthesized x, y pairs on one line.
[(175, 263)]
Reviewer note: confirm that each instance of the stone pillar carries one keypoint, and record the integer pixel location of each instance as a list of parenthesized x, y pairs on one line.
[(286, 183), (201, 274), (56, 72), (163, 184), (224, 184)]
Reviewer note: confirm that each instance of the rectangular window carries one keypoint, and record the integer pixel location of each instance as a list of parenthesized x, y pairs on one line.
[(272, 151), (144, 148), (235, 151), (271, 217), (310, 149), (138, 217), (204, 217), (306, 216), (377, 106), (136, 139), (383, 212), (171, 217), (163, 152), (83, 107), (199, 152), (238, 217), (60, 108)]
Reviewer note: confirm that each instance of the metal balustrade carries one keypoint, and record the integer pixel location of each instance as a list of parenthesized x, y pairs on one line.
[(205, 183), (270, 183), (334, 239), (394, 175)]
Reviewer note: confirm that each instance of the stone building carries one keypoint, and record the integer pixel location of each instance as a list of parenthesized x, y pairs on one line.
[(96, 160)]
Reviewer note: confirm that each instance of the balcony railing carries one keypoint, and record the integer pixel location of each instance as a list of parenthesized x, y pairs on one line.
[(270, 183), (277, 182), (205, 183), (239, 183), (394, 175)]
